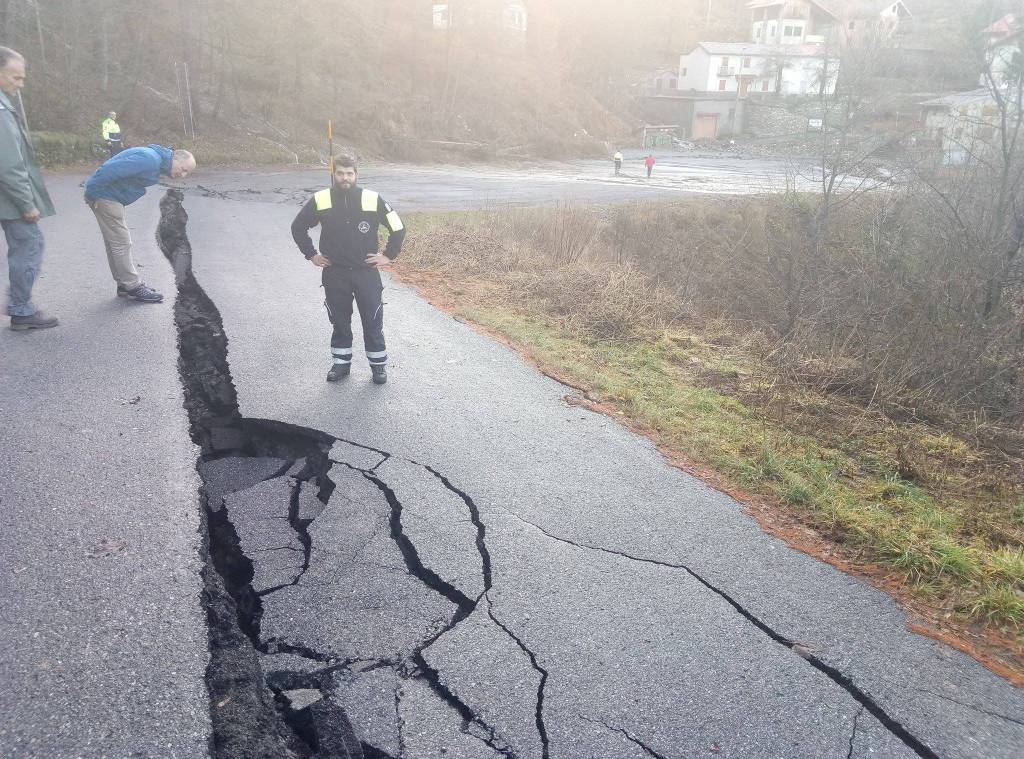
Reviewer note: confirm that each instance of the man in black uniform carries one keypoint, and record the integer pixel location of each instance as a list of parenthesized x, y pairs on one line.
[(349, 217)]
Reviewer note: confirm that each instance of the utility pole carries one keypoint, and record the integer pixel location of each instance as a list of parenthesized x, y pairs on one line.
[(188, 93), (188, 123), (104, 51), (39, 32), (736, 109)]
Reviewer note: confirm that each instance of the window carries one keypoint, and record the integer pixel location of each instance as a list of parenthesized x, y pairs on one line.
[(746, 63), (515, 17), (725, 62), (721, 85), (852, 25), (683, 73), (673, 84), (442, 20), (764, 86)]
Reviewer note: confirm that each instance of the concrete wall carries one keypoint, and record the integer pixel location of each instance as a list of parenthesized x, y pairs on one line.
[(685, 110), (667, 110), (723, 109), (775, 117)]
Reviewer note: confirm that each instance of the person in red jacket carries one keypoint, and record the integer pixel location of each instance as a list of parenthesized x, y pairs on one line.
[(649, 162)]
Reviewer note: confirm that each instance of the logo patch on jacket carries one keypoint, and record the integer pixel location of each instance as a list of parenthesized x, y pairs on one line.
[(364, 227)]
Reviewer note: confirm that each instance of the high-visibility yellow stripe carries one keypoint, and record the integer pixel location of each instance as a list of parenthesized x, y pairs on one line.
[(370, 201), (394, 223), (323, 199)]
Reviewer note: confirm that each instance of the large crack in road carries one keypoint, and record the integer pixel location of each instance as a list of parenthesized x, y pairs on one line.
[(267, 485), (256, 715)]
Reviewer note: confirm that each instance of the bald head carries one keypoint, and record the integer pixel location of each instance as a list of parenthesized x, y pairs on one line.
[(183, 163)]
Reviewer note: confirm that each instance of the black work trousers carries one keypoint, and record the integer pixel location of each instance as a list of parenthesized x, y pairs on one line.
[(364, 286)]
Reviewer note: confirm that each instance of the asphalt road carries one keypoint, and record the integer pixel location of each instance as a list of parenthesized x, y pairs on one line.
[(104, 636), (417, 187), (505, 545)]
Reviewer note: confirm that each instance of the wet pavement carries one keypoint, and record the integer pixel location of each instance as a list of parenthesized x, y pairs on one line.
[(449, 187)]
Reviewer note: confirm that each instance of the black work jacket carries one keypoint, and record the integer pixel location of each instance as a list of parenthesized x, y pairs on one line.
[(350, 222)]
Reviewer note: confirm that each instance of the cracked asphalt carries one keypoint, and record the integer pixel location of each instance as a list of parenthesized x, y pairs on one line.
[(639, 602), (494, 573)]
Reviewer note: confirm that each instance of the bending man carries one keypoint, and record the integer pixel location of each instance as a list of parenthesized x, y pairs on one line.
[(119, 182), (350, 217)]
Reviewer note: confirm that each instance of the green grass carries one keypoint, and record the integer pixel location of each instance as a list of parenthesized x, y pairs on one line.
[(54, 149)]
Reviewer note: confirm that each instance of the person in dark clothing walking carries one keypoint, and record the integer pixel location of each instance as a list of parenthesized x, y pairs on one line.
[(350, 217)]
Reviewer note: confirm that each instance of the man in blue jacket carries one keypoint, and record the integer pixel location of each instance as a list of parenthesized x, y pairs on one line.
[(119, 182)]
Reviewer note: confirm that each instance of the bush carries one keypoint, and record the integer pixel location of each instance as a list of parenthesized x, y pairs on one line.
[(884, 308), (60, 149)]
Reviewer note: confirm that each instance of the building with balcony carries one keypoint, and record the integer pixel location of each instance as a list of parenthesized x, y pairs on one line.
[(792, 22), (745, 68)]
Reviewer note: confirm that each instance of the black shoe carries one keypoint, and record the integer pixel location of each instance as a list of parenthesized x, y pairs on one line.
[(338, 371), (38, 320), (141, 293), (380, 374)]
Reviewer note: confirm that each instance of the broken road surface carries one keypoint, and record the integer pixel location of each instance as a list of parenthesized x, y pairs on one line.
[(495, 572)]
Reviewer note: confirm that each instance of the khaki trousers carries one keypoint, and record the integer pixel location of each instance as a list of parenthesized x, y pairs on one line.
[(118, 242)]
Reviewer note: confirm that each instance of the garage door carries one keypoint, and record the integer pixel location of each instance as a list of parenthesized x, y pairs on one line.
[(705, 126)]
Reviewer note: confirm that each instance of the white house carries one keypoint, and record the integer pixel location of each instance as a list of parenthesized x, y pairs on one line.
[(510, 16), (963, 124), (792, 22), (875, 21), (1002, 49), (660, 81), (744, 67)]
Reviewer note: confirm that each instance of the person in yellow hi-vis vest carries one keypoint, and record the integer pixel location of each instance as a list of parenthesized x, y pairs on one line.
[(112, 134), (618, 162), (350, 217)]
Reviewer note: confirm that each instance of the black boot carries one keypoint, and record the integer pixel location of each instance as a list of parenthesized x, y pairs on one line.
[(380, 373), (338, 371)]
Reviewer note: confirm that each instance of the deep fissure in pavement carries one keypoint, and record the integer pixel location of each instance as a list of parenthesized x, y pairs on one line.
[(838, 677), (247, 717), (251, 713)]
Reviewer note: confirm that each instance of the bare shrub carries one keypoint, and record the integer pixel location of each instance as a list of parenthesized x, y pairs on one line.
[(606, 302), (889, 308), (566, 234)]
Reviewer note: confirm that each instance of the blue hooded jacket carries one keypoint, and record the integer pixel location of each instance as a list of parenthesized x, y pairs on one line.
[(125, 177)]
